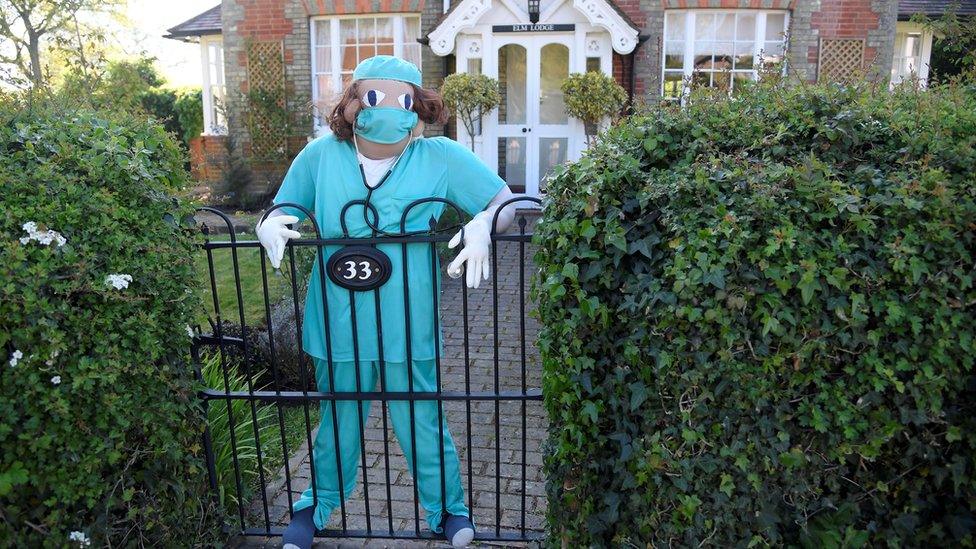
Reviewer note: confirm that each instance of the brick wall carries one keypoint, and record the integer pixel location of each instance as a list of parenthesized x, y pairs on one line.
[(208, 158), (434, 68), (870, 20), (287, 21)]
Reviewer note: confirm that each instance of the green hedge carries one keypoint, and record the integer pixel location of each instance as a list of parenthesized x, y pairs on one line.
[(99, 424), (758, 323)]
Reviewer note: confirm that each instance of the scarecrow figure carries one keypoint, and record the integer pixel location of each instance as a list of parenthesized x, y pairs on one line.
[(364, 180)]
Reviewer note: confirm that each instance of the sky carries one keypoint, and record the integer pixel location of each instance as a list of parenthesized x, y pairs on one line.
[(179, 62)]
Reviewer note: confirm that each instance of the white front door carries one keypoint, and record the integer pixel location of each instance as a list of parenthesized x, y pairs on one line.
[(533, 131)]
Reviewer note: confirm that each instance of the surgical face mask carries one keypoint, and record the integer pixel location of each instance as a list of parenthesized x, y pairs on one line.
[(384, 124)]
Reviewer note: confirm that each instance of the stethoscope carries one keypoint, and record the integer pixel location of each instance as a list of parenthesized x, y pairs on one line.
[(369, 194)]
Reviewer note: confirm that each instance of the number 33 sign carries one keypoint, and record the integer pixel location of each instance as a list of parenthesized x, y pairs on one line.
[(359, 268)]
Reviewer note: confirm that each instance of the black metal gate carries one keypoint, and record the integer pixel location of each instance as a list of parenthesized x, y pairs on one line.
[(489, 375)]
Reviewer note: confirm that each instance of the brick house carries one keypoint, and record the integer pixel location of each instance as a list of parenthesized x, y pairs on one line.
[(296, 56)]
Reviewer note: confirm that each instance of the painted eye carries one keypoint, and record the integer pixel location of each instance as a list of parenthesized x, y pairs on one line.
[(373, 97), (406, 101)]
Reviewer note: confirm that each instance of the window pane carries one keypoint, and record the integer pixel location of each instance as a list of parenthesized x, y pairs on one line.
[(722, 80), (384, 49), (411, 52), (704, 26), (411, 30), (772, 52), (323, 59), (214, 59), (722, 50), (552, 152), (513, 82), (676, 26), (775, 26), (745, 26), (366, 51), (384, 30), (744, 55), (511, 161), (674, 55), (703, 55), (725, 26), (347, 33), (323, 35), (474, 66), (673, 82), (913, 44), (700, 79), (367, 31), (554, 68), (326, 99), (592, 64)]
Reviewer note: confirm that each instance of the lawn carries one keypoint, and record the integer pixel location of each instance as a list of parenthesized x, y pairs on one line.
[(251, 283), (252, 293)]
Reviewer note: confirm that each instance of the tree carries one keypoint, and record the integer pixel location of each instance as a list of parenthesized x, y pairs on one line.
[(26, 24), (954, 50), (470, 96), (592, 96)]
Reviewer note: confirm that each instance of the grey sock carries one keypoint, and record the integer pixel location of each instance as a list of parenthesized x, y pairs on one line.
[(301, 530)]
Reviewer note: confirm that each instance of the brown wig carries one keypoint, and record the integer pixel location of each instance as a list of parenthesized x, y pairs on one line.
[(428, 105)]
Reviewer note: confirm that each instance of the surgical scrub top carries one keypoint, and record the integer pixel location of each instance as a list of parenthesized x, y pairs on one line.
[(324, 178)]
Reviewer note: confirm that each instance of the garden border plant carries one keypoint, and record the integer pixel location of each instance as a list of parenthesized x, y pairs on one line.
[(100, 424), (765, 336)]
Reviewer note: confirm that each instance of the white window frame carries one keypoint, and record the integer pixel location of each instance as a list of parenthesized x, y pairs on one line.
[(689, 42), (924, 59), (211, 125), (336, 62)]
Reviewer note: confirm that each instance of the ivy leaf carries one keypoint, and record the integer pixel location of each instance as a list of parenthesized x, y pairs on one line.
[(727, 486), (715, 278), (13, 476), (638, 394)]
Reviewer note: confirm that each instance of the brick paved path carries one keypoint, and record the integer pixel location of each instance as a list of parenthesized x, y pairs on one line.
[(480, 454)]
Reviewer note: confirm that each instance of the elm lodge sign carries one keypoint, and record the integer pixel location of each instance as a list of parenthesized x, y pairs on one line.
[(535, 27)]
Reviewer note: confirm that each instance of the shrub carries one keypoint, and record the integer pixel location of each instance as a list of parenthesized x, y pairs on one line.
[(470, 97), (189, 113), (100, 427), (244, 441), (758, 324), (591, 97)]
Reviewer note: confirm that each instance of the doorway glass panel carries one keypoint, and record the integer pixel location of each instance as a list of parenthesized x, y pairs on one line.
[(553, 68), (552, 152), (511, 162), (512, 76)]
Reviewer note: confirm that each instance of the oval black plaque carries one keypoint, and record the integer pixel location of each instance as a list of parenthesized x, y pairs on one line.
[(359, 268)]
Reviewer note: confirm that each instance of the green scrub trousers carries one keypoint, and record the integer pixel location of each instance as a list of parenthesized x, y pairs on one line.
[(324, 178), (427, 469)]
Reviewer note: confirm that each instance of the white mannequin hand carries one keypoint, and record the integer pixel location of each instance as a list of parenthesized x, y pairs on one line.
[(273, 235), (476, 251)]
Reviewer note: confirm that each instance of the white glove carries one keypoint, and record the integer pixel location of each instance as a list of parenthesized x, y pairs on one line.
[(476, 251), (273, 235)]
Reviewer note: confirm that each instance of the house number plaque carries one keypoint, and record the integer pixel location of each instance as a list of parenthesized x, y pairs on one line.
[(359, 268)]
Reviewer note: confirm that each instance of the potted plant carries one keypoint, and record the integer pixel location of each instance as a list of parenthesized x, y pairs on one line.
[(470, 96), (590, 97)]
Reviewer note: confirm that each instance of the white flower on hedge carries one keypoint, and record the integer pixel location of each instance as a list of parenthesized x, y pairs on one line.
[(189, 330), (80, 537), (56, 380), (15, 357), (120, 281), (43, 237)]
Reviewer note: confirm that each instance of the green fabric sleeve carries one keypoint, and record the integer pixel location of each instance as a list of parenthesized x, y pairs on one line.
[(298, 187), (470, 183)]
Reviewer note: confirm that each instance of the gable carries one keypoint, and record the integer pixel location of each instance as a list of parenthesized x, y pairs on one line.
[(468, 13)]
